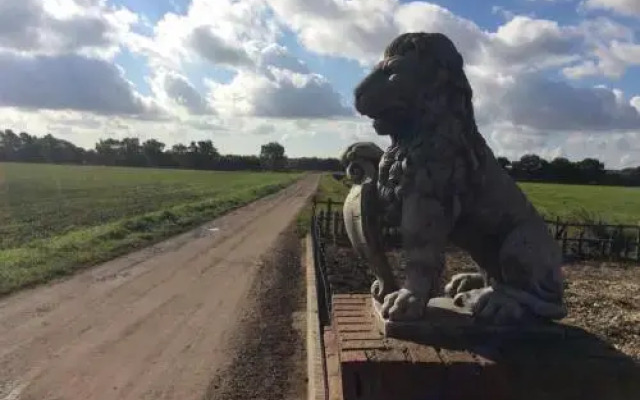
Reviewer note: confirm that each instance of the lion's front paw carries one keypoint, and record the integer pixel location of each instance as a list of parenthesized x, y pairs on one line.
[(464, 282), (403, 305), (491, 306)]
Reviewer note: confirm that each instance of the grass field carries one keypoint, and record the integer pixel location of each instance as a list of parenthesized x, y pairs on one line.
[(579, 203), (54, 219)]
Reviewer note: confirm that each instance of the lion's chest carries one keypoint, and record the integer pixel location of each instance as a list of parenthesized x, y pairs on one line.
[(430, 169)]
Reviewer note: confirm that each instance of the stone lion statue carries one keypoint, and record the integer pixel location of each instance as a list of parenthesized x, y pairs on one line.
[(442, 181)]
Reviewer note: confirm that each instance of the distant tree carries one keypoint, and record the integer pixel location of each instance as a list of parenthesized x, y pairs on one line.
[(272, 156), (179, 149), (202, 154), (530, 163), (206, 148), (29, 148), (132, 151), (197, 155), (591, 170), (237, 162), (179, 155), (109, 151), (530, 166), (504, 162), (153, 152), (9, 145), (24, 147), (53, 150), (563, 170), (314, 164)]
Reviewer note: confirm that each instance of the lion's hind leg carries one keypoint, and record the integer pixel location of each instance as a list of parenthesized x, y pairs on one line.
[(530, 266), (528, 282)]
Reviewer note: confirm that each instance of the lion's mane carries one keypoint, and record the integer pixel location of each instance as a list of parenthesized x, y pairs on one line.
[(446, 136)]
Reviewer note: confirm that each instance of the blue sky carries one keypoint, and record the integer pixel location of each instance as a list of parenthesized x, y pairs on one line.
[(555, 77), (343, 73)]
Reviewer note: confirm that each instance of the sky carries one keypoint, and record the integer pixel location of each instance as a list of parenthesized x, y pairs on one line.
[(551, 77)]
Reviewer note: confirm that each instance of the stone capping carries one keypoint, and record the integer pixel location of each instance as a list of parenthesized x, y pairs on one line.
[(555, 362), (375, 367), (317, 378)]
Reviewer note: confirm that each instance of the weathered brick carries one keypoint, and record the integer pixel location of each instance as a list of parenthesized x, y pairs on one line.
[(347, 307), (349, 356), (366, 335), (349, 313), (361, 344), (353, 320), (354, 328)]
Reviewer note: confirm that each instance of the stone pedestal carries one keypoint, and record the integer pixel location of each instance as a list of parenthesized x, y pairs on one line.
[(557, 362)]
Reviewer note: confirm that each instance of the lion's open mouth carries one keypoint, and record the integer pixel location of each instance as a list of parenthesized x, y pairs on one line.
[(390, 113), (391, 120)]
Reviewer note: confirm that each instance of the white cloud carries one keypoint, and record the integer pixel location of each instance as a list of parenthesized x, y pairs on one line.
[(616, 150), (626, 7), (280, 94), (57, 55), (611, 60), (221, 32), (63, 26), (539, 103), (268, 81), (241, 36), (354, 28), (214, 49), (174, 90), (273, 95), (69, 82), (509, 68), (510, 140), (532, 44), (360, 30), (276, 56), (503, 12)]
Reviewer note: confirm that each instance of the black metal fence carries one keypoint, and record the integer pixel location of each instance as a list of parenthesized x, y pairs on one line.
[(579, 241), (323, 290)]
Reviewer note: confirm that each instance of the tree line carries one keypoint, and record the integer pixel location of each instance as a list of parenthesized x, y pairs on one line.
[(204, 155), (531, 167), (131, 152)]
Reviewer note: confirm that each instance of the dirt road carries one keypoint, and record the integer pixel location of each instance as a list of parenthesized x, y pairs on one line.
[(155, 324)]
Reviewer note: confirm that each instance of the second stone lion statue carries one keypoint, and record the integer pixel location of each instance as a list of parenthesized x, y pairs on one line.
[(446, 185)]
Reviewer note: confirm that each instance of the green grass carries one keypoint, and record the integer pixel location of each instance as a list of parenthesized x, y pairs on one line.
[(55, 219), (329, 188), (579, 203), (613, 204)]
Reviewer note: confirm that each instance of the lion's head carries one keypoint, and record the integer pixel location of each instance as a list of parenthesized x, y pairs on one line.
[(361, 161), (407, 85)]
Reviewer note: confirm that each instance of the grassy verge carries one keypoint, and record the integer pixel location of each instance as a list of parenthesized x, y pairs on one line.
[(64, 250), (328, 188)]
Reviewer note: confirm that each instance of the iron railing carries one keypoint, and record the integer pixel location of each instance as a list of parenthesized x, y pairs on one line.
[(323, 290), (578, 240)]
